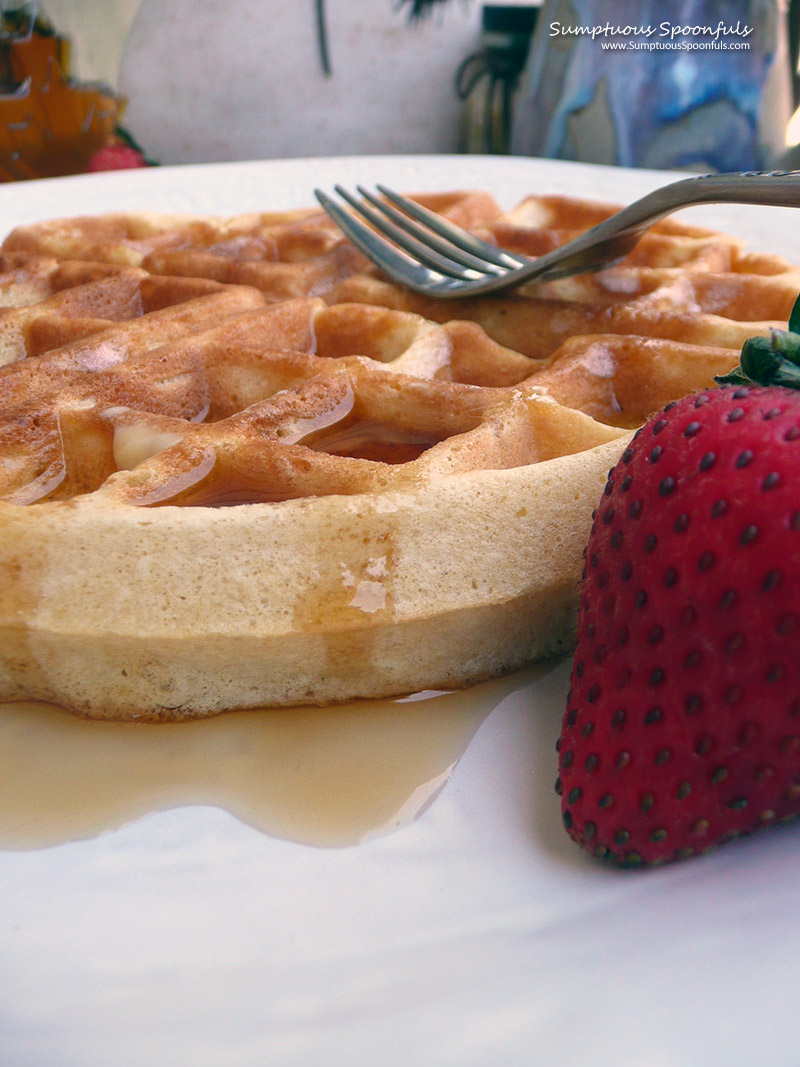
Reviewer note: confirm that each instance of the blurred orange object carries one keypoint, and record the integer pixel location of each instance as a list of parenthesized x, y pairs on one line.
[(49, 124)]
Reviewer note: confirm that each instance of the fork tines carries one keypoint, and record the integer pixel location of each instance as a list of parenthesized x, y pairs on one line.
[(425, 248)]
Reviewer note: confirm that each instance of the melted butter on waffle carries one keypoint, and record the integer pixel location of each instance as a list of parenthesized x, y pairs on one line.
[(239, 468)]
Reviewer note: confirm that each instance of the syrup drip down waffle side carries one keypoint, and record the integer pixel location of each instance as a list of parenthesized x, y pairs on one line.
[(238, 468)]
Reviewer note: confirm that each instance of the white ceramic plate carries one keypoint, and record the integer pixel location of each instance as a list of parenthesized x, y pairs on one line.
[(478, 934)]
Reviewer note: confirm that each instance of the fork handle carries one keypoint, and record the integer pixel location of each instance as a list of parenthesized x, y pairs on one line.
[(610, 240), (777, 188)]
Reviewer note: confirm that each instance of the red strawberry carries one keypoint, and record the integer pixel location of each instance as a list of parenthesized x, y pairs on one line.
[(682, 726), (116, 157)]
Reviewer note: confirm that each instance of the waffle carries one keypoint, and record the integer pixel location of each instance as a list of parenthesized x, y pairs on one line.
[(239, 468)]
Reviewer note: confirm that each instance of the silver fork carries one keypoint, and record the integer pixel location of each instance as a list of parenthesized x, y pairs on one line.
[(430, 255)]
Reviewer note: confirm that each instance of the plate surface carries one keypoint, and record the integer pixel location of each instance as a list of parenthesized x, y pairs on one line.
[(477, 934)]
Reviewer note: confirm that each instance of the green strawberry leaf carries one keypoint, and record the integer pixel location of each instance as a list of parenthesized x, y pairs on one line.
[(773, 360), (734, 377), (794, 318)]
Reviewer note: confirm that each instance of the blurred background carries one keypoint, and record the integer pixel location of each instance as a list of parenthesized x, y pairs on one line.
[(697, 85)]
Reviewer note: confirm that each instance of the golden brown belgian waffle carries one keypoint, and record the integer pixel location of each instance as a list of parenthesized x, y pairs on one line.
[(238, 468)]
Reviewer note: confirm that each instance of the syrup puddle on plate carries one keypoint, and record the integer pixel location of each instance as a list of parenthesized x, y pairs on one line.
[(329, 777)]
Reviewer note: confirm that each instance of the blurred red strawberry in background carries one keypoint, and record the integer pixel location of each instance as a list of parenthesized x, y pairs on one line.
[(116, 157)]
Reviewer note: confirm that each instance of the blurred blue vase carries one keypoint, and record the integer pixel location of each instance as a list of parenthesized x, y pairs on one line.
[(700, 85)]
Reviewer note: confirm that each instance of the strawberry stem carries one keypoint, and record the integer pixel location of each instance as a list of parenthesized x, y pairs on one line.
[(773, 360)]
